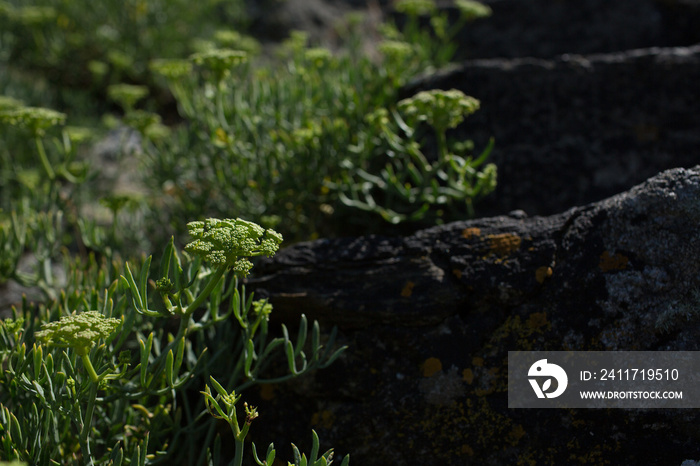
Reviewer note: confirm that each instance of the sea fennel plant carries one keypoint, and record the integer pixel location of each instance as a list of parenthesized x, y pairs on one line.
[(272, 139), (394, 176), (114, 376)]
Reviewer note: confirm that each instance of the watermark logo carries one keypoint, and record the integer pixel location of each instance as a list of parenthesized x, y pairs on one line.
[(541, 369)]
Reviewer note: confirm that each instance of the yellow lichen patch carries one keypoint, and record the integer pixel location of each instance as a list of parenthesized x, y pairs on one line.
[(504, 244), (514, 436), (267, 391), (610, 262), (478, 361), (469, 233), (457, 273), (431, 366), (467, 450), (407, 289), (468, 376), (522, 335), (543, 273), (323, 418), (537, 320)]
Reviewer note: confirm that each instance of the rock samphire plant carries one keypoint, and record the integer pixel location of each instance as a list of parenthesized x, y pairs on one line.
[(410, 182), (138, 368), (302, 143)]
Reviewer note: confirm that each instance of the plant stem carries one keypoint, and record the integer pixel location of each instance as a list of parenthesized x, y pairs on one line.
[(44, 160), (87, 422), (442, 145), (88, 367), (213, 281), (238, 457)]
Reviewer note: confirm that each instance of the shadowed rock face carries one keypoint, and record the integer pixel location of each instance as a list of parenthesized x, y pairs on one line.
[(429, 320), (546, 29)]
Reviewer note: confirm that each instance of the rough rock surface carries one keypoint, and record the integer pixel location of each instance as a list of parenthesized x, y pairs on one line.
[(430, 319), (545, 29)]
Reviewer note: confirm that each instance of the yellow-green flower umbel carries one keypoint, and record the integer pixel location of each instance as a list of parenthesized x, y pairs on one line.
[(228, 242), (440, 109), (80, 332)]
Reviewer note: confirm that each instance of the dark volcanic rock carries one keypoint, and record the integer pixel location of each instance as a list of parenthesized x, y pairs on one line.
[(429, 320), (545, 29), (577, 129)]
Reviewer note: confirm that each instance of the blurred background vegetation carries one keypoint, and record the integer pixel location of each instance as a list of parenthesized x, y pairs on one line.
[(175, 113)]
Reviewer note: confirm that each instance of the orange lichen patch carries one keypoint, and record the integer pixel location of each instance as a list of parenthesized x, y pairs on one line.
[(457, 273), (467, 450), (504, 244), (478, 361), (468, 376), (537, 320), (407, 289), (267, 391), (543, 273), (323, 418), (610, 262), (431, 366), (469, 233)]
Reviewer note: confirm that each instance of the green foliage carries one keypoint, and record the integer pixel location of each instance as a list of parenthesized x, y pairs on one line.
[(410, 186), (314, 459), (261, 141), (132, 397), (124, 359), (86, 46), (429, 31), (298, 144)]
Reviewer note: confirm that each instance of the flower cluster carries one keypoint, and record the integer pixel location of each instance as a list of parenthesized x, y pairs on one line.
[(36, 119), (440, 109), (219, 61), (471, 10), (318, 56), (395, 50), (171, 68), (7, 103), (415, 7), (235, 40), (33, 16), (127, 95), (229, 241), (78, 331)]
